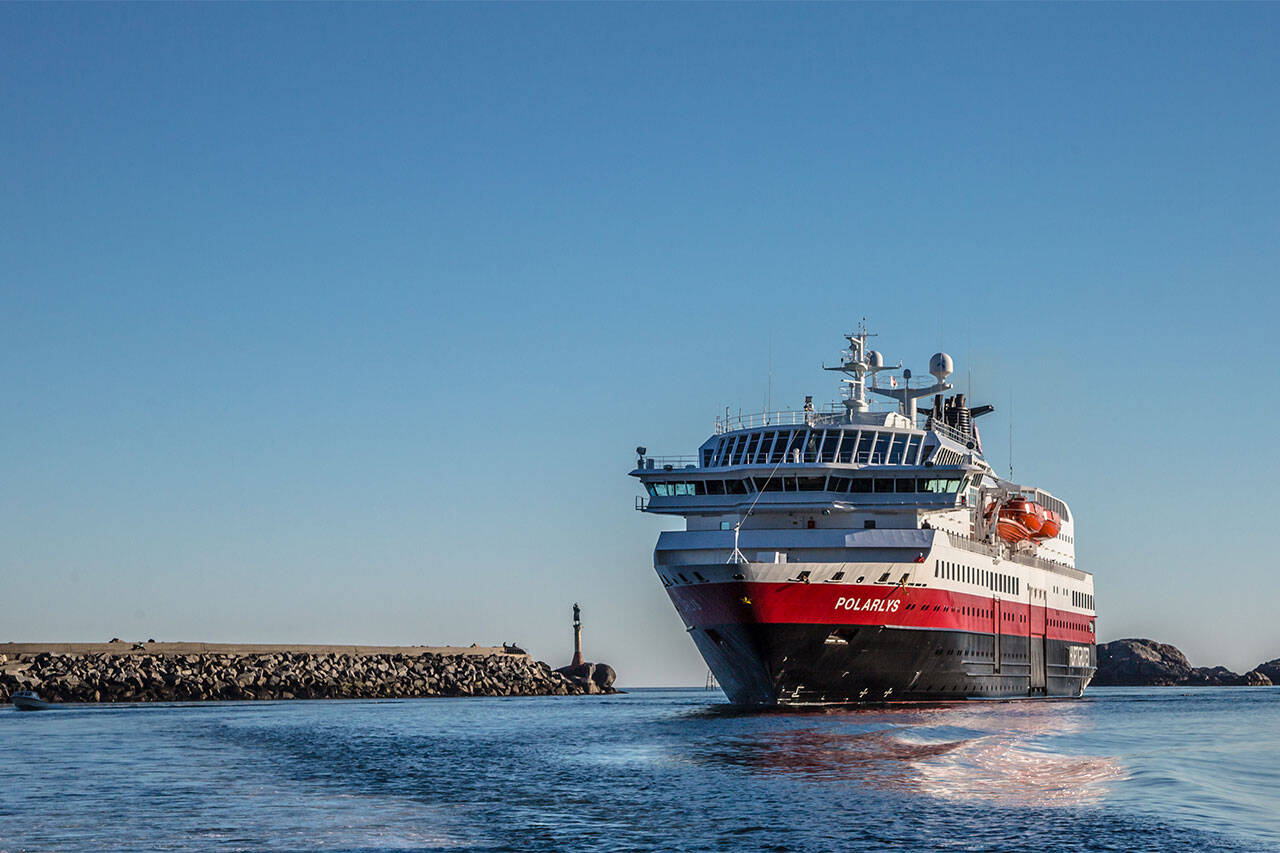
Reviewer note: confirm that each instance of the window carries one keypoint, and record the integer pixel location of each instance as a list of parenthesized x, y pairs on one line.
[(827, 449), (811, 484), (735, 487), (775, 445), (769, 484), (906, 484), (869, 524), (880, 455), (726, 525), (884, 577), (838, 576), (898, 444), (780, 447), (883, 484), (812, 439), (848, 444), (861, 485)]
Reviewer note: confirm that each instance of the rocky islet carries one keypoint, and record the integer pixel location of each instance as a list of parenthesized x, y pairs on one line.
[(1147, 663)]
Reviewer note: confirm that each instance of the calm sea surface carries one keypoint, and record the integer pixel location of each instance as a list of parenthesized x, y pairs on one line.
[(1124, 769)]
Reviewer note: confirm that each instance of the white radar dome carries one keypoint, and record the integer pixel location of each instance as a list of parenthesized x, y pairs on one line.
[(875, 359), (941, 366)]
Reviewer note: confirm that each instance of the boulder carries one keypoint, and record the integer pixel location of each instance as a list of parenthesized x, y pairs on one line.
[(603, 676)]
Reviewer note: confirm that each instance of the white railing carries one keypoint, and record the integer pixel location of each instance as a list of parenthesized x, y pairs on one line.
[(668, 463), (827, 416), (950, 432)]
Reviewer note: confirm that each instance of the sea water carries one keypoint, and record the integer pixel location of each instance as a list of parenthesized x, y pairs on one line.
[(1122, 769)]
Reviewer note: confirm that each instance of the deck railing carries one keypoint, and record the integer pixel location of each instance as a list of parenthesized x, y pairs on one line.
[(979, 547), (829, 415)]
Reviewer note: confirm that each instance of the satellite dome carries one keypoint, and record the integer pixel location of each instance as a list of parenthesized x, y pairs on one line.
[(875, 359), (941, 366)]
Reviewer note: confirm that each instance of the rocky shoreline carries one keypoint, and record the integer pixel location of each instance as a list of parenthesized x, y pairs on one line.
[(143, 674), (1146, 663)]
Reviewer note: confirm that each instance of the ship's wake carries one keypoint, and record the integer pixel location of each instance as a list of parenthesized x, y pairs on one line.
[(944, 752)]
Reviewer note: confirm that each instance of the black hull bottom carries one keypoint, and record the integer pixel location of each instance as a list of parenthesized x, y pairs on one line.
[(826, 664)]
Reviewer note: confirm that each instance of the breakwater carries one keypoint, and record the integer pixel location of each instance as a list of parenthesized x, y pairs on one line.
[(196, 672)]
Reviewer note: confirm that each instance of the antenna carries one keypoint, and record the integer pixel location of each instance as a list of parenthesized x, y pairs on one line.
[(968, 356), (768, 394), (1011, 434)]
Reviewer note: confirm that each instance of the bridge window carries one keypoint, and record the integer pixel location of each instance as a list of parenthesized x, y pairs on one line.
[(906, 484), (811, 484), (940, 485), (861, 485), (827, 445), (848, 444), (883, 484), (866, 441), (812, 439), (880, 455)]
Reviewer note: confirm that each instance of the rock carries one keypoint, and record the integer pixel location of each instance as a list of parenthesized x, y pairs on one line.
[(1213, 676), (589, 677), (603, 676), (1271, 669), (1140, 662), (1148, 663)]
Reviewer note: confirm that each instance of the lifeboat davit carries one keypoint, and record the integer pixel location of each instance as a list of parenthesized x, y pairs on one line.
[(1019, 519)]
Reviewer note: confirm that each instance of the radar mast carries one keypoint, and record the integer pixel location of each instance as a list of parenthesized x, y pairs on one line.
[(859, 362)]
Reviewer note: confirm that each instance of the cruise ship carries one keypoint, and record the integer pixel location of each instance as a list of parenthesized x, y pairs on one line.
[(868, 552)]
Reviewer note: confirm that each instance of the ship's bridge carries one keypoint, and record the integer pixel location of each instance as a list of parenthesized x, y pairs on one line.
[(811, 459)]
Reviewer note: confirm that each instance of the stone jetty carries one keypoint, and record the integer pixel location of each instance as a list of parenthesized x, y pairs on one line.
[(197, 672)]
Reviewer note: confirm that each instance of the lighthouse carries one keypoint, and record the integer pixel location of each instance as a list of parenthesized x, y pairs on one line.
[(577, 635)]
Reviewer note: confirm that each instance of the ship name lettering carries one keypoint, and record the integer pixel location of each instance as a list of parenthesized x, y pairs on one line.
[(883, 605)]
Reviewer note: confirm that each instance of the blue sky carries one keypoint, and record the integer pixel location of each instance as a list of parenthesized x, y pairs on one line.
[(340, 323)]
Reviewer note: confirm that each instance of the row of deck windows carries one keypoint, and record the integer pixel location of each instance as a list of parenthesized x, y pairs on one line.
[(780, 483), (1082, 599), (994, 581), (847, 446)]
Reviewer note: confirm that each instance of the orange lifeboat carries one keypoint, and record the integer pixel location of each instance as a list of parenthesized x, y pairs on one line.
[(1052, 525), (1018, 519)]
